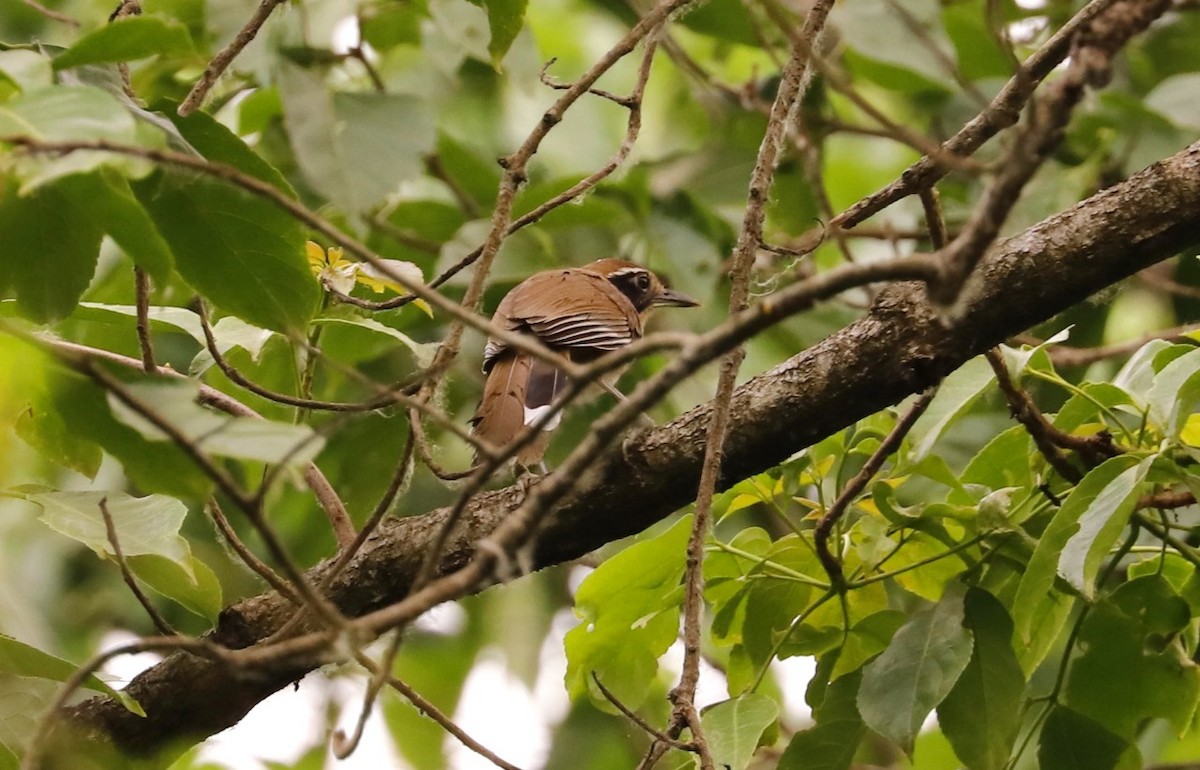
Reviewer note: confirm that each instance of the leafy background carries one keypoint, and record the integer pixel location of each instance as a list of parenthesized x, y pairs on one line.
[(973, 595)]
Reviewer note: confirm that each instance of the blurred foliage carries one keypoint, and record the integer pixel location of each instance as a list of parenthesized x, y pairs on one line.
[(1043, 620)]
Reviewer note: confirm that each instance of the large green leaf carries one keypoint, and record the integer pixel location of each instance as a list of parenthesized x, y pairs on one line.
[(243, 253), (355, 149), (114, 210), (65, 113), (245, 438), (126, 39), (1035, 593), (192, 584), (1174, 393), (629, 613), (830, 744), (20, 659), (1071, 741), (733, 728), (1133, 664), (982, 714), (955, 395), (51, 243), (152, 466), (1099, 527), (917, 670), (144, 525), (505, 19)]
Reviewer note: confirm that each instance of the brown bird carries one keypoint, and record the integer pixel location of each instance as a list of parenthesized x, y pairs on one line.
[(582, 313)]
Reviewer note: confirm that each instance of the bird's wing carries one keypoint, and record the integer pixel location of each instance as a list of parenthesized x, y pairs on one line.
[(567, 309)]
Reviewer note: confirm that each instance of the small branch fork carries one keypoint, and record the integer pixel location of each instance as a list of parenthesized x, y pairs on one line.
[(1049, 440), (796, 76), (949, 266), (824, 528)]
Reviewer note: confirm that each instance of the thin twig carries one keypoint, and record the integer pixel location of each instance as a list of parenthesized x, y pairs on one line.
[(429, 709), (50, 13), (225, 57), (142, 288), (1001, 113), (1094, 449), (160, 623), (796, 76), (856, 485), (637, 719)]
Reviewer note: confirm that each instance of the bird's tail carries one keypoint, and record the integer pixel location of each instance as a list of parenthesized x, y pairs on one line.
[(518, 391)]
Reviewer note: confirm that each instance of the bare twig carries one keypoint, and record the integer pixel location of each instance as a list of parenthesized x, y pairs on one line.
[(160, 623), (50, 13), (637, 719), (853, 488), (795, 78), (142, 288), (1091, 59), (1048, 439), (1001, 113), (226, 56), (429, 709), (1061, 355)]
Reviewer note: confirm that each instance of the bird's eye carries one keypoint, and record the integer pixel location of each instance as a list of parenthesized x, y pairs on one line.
[(643, 281)]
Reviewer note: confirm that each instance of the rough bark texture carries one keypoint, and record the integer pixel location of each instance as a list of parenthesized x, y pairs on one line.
[(901, 347)]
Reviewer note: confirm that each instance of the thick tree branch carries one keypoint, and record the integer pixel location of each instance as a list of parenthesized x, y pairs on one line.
[(901, 347)]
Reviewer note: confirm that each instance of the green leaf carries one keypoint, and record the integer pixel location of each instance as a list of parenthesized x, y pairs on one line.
[(246, 438), (954, 397), (65, 113), (866, 639), (41, 425), (1035, 594), (133, 37), (422, 351), (1100, 525), (1132, 664), (505, 19), (1174, 393), (1071, 741), (195, 586), (162, 318), (1137, 375), (982, 714), (231, 332), (153, 467), (51, 243), (243, 253), (1175, 99), (830, 744), (734, 727), (629, 613), (355, 149), (217, 143), (144, 525), (114, 210), (387, 25), (916, 671), (24, 701), (20, 659)]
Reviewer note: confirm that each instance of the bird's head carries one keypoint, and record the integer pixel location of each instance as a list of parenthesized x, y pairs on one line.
[(642, 287)]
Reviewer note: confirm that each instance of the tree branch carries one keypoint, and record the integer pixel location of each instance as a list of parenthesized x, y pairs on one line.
[(901, 347)]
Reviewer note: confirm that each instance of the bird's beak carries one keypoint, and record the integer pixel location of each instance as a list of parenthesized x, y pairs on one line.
[(672, 298)]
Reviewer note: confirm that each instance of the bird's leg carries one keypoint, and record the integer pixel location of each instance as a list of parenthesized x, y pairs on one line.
[(618, 395), (526, 478)]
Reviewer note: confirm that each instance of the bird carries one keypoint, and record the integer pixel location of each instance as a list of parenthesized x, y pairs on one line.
[(579, 312)]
